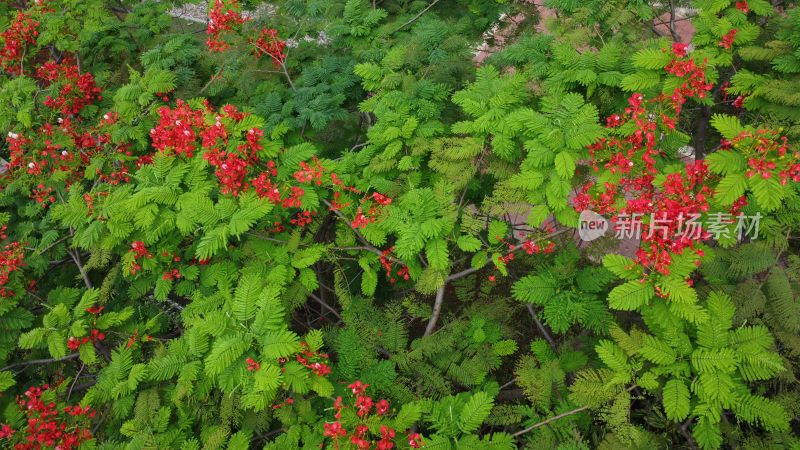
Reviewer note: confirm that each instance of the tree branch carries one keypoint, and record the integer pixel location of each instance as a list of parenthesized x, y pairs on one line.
[(77, 259), (367, 245), (325, 305), (437, 310)]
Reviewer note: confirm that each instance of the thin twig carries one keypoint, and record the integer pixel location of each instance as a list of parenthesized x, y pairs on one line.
[(72, 386), (325, 305), (541, 327), (560, 416), (54, 244), (41, 361), (77, 259), (472, 270), (552, 419), (413, 19), (368, 246)]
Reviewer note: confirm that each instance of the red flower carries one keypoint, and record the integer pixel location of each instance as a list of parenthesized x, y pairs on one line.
[(268, 43), (727, 40), (361, 221), (334, 430), (381, 199), (21, 33), (364, 404), (95, 309), (358, 387), (414, 440), (252, 365), (680, 49), (6, 431), (742, 6), (73, 343), (739, 102), (222, 18), (382, 407)]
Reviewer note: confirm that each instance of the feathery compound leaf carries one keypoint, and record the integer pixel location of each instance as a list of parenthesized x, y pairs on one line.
[(726, 162), (730, 188), (6, 380), (728, 126), (657, 351), (565, 165), (652, 58), (630, 296), (225, 351), (475, 412), (622, 266), (280, 344), (245, 299), (762, 412), (612, 356), (676, 400), (705, 360), (536, 289), (707, 433)]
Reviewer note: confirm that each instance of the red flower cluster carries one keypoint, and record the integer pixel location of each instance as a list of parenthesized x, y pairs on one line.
[(309, 174), (268, 43), (386, 263), (768, 155), (303, 218), (21, 32), (317, 362), (531, 247), (11, 260), (223, 17), (743, 6), (47, 426), (361, 436), (727, 40), (682, 196), (43, 195), (173, 274), (75, 90), (177, 129), (252, 365), (680, 49), (139, 251), (74, 343), (377, 202), (695, 84)]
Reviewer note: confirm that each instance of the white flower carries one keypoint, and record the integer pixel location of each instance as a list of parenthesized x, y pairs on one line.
[(31, 165), (105, 116)]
